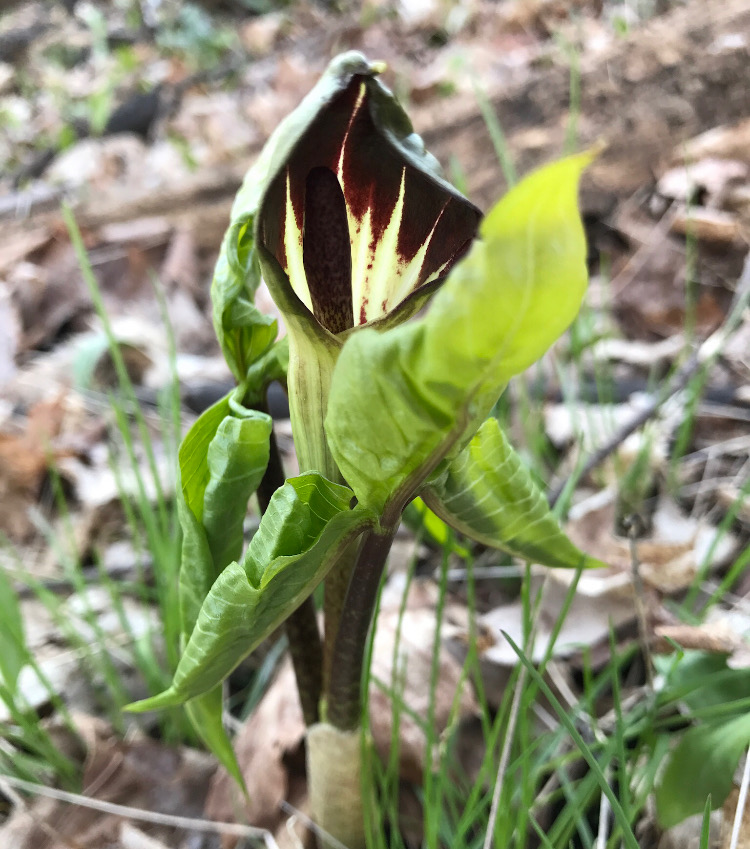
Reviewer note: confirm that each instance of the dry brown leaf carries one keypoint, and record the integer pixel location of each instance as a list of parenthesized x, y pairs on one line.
[(139, 773), (687, 834), (409, 678), (49, 294), (727, 142), (713, 226), (729, 811), (602, 600), (24, 460), (717, 637), (21, 245), (668, 562), (710, 176)]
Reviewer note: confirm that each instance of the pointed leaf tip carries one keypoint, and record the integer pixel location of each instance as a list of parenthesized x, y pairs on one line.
[(169, 698), (487, 493)]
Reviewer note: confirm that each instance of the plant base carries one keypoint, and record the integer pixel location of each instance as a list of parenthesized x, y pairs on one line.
[(334, 760)]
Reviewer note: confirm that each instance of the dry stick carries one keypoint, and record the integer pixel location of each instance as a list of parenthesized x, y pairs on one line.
[(504, 758), (187, 823), (707, 352), (640, 608), (739, 813), (605, 809), (311, 825)]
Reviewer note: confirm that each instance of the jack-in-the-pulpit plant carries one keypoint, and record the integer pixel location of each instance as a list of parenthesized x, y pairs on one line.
[(347, 219)]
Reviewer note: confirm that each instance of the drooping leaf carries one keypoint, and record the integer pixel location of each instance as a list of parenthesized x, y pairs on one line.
[(237, 459), (194, 471), (13, 653), (701, 765), (307, 526), (222, 460), (487, 493), (244, 333), (206, 716), (403, 400)]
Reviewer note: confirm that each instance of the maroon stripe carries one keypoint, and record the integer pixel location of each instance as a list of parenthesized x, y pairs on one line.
[(326, 251)]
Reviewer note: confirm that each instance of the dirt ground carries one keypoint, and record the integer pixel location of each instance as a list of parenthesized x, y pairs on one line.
[(143, 125)]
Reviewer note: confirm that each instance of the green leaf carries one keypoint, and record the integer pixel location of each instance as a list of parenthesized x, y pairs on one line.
[(419, 518), (702, 680), (306, 528), (702, 765), (242, 330), (222, 460), (237, 459), (487, 493), (206, 716), (13, 653), (246, 335), (404, 399), (194, 471)]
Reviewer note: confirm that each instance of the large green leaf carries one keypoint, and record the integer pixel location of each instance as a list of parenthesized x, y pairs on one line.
[(487, 493), (222, 460), (307, 526), (237, 459), (404, 399), (701, 765)]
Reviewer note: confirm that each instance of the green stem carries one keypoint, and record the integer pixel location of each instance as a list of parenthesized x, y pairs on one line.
[(302, 626), (343, 692)]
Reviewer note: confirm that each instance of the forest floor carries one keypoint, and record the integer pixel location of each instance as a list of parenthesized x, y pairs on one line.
[(141, 119)]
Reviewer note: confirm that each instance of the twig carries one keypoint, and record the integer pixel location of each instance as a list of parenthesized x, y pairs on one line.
[(739, 813), (319, 832), (505, 758), (605, 809), (640, 607), (706, 353), (188, 823)]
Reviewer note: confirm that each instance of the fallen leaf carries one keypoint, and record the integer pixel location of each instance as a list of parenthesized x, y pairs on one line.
[(669, 561), (139, 773), (704, 182), (687, 834), (716, 637), (729, 812), (402, 664), (24, 461)]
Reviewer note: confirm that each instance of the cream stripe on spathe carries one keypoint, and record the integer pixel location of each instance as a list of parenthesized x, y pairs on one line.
[(295, 268)]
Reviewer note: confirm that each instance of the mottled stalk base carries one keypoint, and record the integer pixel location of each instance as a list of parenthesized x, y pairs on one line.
[(334, 760)]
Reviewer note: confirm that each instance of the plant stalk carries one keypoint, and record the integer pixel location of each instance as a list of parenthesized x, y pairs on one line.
[(344, 690), (334, 747), (336, 585), (302, 626)]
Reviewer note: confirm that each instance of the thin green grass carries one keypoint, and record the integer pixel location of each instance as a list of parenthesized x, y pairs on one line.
[(150, 518)]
